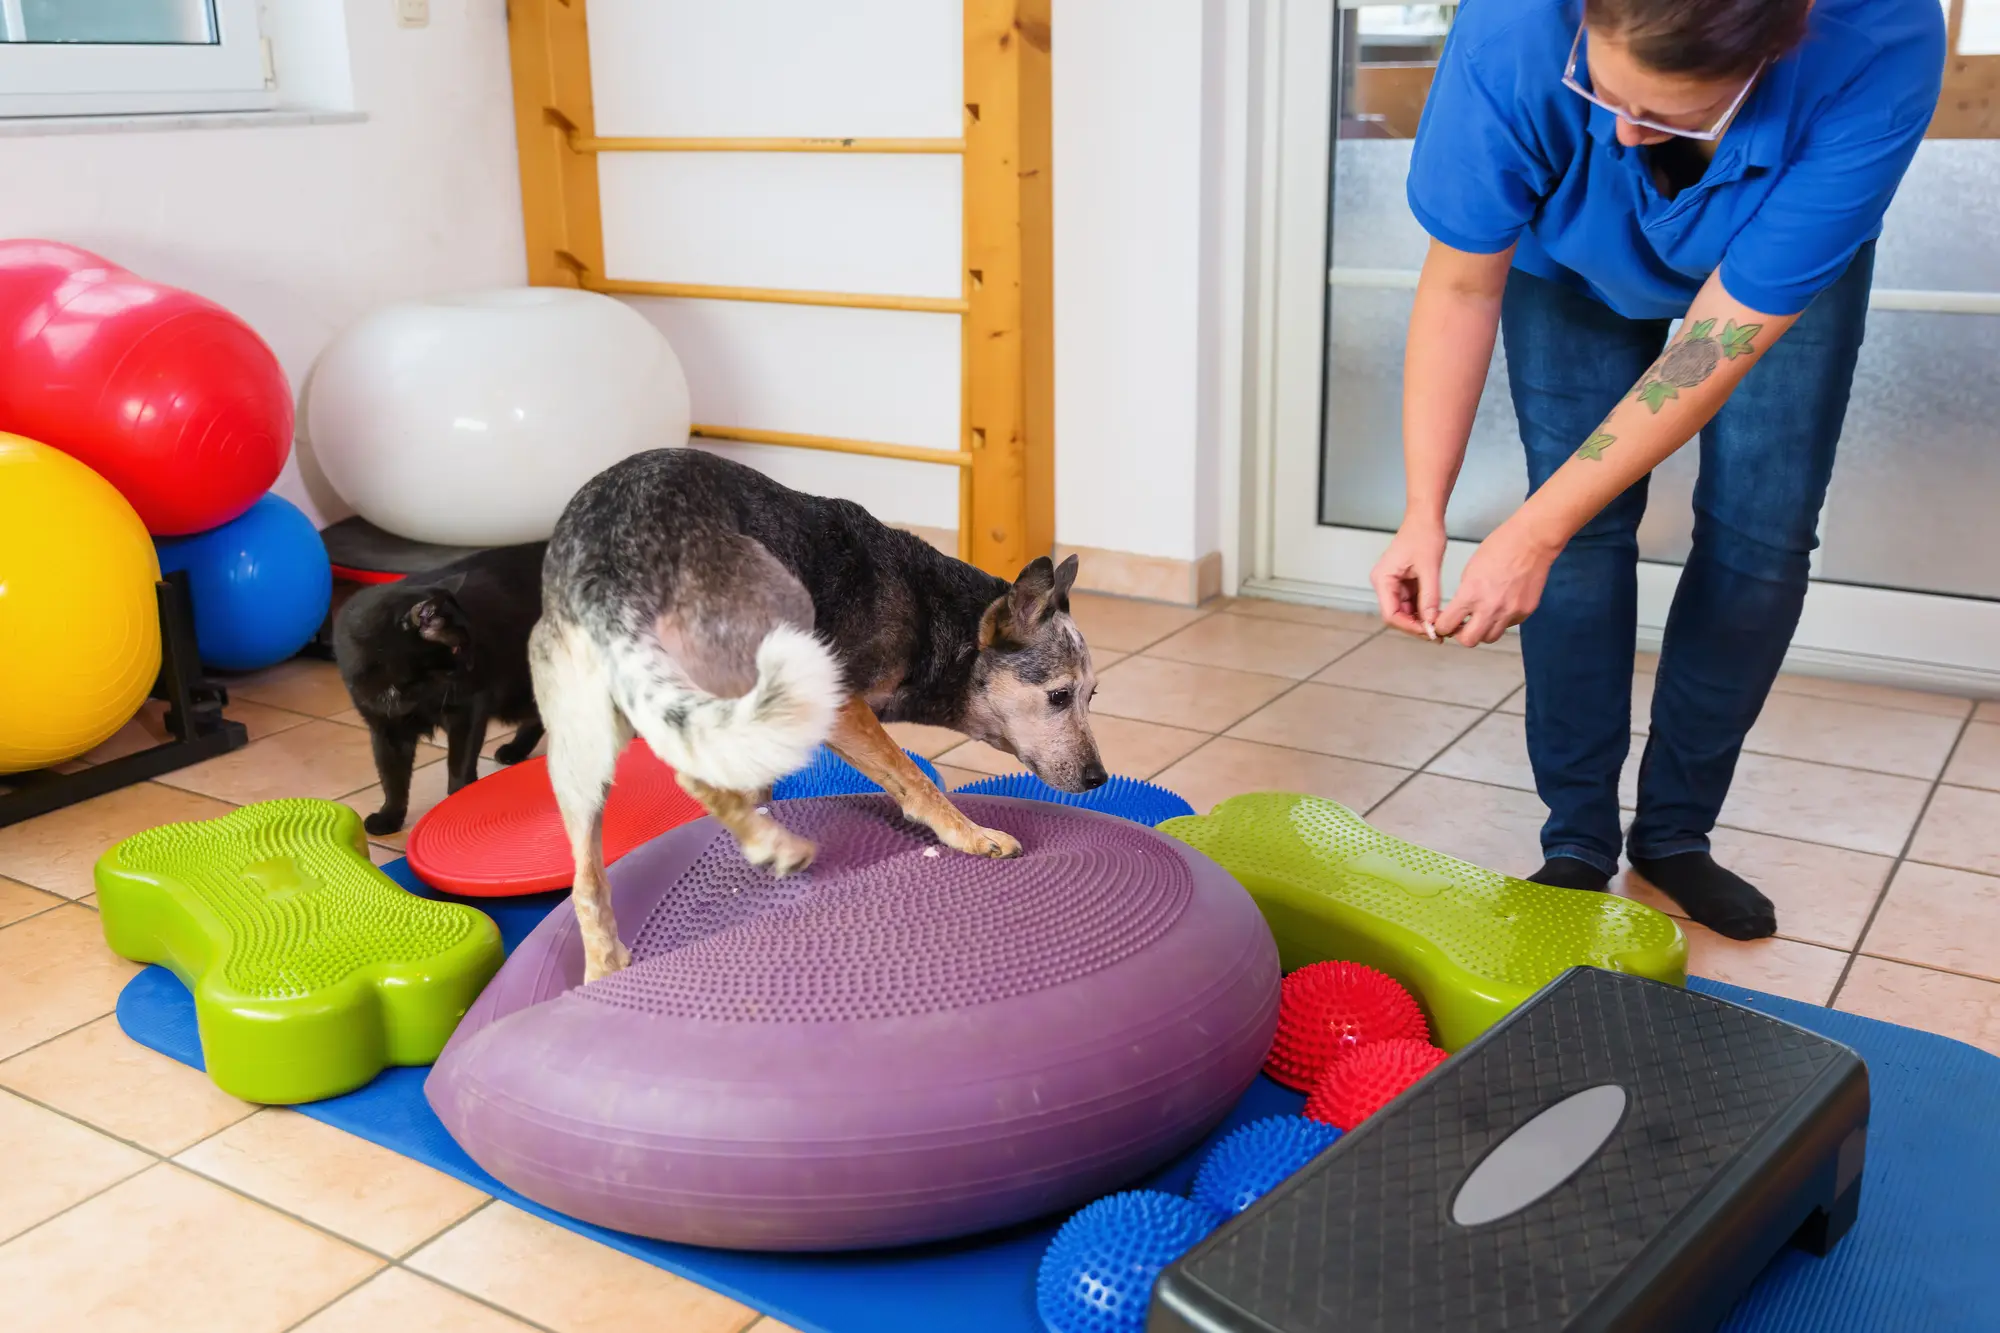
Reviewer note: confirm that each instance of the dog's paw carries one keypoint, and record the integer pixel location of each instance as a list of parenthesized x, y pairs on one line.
[(595, 968), (989, 842), (513, 752), (779, 850), (384, 822)]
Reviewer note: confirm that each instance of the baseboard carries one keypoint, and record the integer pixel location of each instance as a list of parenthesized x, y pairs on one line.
[(1972, 682), (1152, 578)]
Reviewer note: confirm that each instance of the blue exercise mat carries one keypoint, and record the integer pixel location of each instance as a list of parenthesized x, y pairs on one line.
[(1920, 1258)]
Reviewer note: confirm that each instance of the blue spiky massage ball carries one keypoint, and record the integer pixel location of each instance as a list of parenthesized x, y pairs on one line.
[(1251, 1162), (1098, 1273), (1127, 798), (830, 775)]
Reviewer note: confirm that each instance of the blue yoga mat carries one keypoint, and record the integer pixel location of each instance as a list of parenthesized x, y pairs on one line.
[(1921, 1257)]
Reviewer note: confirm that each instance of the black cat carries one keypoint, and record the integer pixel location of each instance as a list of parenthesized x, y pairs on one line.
[(447, 648)]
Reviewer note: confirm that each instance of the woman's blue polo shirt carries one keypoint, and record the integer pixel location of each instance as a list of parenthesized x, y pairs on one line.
[(1506, 155)]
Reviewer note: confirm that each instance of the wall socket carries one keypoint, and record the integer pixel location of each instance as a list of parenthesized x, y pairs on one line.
[(413, 13)]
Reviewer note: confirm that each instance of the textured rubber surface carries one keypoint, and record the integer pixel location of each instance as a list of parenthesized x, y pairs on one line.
[(1256, 1159), (1712, 1164), (1097, 1276), (502, 836), (311, 970), (830, 775), (904, 1043), (1327, 1009), (1366, 1079), (1919, 1260), (1127, 798), (1471, 944)]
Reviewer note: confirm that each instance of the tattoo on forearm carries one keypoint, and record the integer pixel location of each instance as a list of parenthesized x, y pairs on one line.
[(1594, 447), (1692, 358)]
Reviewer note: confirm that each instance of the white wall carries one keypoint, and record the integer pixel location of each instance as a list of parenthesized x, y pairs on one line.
[(300, 229)]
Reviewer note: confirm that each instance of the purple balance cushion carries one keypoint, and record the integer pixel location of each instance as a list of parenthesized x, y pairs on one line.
[(901, 1045)]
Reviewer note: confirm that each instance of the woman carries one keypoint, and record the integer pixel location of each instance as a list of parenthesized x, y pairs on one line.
[(1590, 171)]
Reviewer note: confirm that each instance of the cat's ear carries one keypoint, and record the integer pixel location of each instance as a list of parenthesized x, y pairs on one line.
[(439, 619), (451, 583)]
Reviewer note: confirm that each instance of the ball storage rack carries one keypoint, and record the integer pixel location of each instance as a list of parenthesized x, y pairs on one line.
[(196, 728)]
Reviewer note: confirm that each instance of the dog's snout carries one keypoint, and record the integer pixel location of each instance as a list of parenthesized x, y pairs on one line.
[(1094, 776)]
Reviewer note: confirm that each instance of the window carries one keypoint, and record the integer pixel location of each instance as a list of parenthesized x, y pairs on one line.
[(119, 57)]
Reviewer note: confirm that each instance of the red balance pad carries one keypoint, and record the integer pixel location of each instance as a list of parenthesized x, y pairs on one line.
[(502, 836)]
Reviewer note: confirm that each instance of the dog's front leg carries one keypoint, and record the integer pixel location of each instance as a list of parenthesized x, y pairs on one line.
[(765, 842), (858, 737)]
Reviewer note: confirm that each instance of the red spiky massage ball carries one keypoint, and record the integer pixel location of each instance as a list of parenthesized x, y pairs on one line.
[(1326, 1009), (1365, 1079)]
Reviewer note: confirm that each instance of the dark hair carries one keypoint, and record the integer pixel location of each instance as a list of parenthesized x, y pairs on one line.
[(1714, 39)]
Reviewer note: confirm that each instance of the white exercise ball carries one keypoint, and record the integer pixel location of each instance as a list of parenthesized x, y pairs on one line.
[(471, 420)]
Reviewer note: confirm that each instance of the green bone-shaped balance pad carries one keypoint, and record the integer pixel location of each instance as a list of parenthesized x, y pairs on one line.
[(1470, 943), (311, 970)]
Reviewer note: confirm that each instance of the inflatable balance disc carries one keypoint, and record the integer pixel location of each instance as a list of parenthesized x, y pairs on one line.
[(901, 1044), (502, 836)]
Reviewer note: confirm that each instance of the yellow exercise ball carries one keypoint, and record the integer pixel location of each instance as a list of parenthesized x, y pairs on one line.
[(79, 626)]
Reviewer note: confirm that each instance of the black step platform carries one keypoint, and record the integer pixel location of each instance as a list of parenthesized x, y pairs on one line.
[(1616, 1154), (360, 550)]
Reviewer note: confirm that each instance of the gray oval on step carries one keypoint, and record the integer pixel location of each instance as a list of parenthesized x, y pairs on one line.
[(1539, 1156)]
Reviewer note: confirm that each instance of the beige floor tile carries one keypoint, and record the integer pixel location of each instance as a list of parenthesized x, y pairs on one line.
[(321, 759), (1988, 711), (149, 727), (1976, 762), (100, 1075), (954, 778), (1823, 894), (1496, 751), (1841, 807), (1642, 702), (88, 900), (1776, 966), (1129, 748), (55, 974), (979, 757), (930, 742), (427, 791), (1297, 613), (1491, 827), (1181, 694), (1880, 696), (1126, 626), (397, 1301), (52, 1163), (573, 1285), (56, 851), (353, 1188), (1249, 643), (1835, 731), (1398, 664), (303, 685), (1224, 768), (1940, 918), (770, 1325), (1964, 1008), (18, 901), (348, 718), (1358, 724), (1962, 829), (169, 1252)]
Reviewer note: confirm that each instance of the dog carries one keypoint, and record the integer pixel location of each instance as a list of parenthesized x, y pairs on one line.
[(736, 624)]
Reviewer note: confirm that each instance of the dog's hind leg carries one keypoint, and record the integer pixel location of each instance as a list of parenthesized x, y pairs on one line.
[(859, 738), (765, 842), (586, 733)]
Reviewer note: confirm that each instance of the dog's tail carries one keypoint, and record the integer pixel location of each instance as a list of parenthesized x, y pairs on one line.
[(741, 744)]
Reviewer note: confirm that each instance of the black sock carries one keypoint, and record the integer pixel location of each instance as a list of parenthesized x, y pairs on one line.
[(1723, 901), (1567, 872)]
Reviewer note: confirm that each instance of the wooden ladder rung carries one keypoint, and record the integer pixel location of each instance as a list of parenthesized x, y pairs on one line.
[(834, 444)]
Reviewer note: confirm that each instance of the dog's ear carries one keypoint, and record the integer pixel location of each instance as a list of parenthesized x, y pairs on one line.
[(1037, 593), (440, 619), (1065, 580)]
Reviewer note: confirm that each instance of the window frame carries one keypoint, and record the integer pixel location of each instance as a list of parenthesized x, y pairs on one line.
[(113, 79)]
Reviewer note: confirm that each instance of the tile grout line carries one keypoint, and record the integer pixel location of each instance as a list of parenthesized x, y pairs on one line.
[(1896, 866)]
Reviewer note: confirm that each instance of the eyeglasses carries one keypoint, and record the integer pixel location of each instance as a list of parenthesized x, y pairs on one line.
[(1707, 135)]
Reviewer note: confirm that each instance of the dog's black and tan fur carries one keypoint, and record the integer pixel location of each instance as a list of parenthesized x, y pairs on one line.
[(736, 624)]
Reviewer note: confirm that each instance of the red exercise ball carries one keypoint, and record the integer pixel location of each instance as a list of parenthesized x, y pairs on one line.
[(1326, 1009), (1368, 1078), (164, 394)]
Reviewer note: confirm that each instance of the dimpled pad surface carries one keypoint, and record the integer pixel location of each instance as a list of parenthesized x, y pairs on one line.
[(311, 970), (902, 1044), (1472, 944)]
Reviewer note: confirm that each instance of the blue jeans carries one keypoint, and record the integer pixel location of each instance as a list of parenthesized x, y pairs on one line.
[(1765, 462)]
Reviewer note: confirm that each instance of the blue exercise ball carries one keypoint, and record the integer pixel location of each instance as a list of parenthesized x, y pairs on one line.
[(261, 584)]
